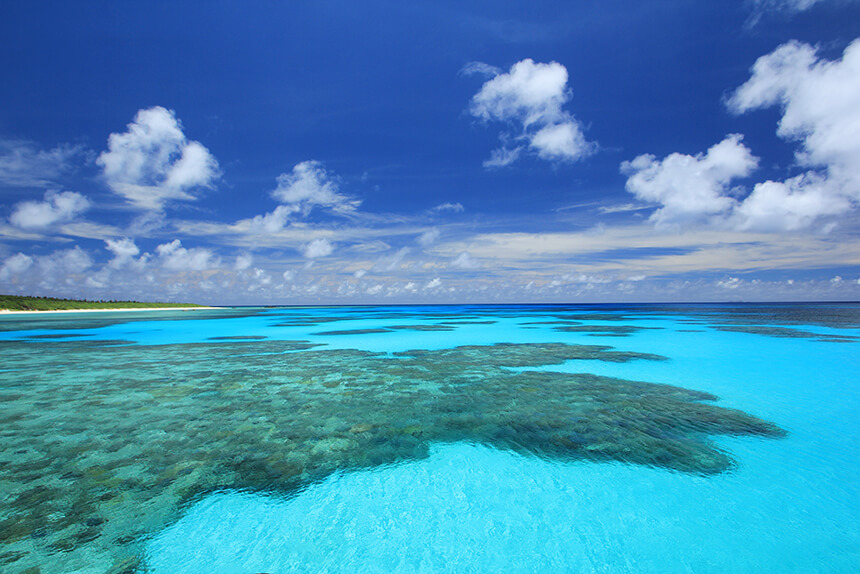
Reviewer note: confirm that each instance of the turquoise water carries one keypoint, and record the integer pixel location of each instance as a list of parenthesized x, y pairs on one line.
[(432, 439)]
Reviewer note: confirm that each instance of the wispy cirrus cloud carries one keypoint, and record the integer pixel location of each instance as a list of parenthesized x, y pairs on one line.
[(22, 164), (449, 206)]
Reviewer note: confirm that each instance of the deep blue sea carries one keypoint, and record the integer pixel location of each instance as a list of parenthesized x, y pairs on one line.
[(602, 438)]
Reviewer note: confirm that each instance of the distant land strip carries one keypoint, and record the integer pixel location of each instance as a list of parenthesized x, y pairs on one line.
[(22, 303)]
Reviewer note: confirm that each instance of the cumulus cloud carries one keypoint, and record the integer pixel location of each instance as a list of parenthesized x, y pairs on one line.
[(124, 251), (689, 188), (308, 185), (820, 102), (530, 96), (243, 261), (15, 265), (65, 262), (174, 257), (730, 283), (273, 221), (317, 248), (23, 165), (153, 162), (56, 207), (433, 284), (789, 205), (62, 269)]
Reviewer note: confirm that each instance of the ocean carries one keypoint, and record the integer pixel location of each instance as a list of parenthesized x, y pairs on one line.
[(503, 438)]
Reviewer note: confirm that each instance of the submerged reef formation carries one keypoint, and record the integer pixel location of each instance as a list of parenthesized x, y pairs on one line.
[(786, 333), (103, 444)]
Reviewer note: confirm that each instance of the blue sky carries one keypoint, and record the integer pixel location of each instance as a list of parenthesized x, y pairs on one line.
[(409, 152)]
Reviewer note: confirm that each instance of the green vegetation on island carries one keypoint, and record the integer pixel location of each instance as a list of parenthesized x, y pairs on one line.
[(20, 303)]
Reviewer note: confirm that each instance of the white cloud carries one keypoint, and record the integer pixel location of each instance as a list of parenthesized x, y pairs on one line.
[(531, 96), (730, 283), (56, 207), (374, 246), (625, 208), (448, 206), (177, 258), (785, 5), (22, 165), (15, 265), (500, 157), (66, 262), (273, 221), (124, 251), (560, 141), (243, 261), (820, 101), (429, 237), (465, 261), (308, 185), (392, 262), (433, 284), (790, 205), (762, 7), (153, 162), (689, 188), (481, 69), (317, 248)]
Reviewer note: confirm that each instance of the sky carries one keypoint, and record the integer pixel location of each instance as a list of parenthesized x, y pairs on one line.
[(331, 152)]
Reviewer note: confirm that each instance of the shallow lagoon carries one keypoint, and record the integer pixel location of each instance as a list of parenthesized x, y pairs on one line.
[(513, 438)]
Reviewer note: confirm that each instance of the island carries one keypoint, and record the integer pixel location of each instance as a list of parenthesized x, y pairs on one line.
[(24, 304)]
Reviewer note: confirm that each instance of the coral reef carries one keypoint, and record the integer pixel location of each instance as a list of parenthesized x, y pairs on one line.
[(103, 444)]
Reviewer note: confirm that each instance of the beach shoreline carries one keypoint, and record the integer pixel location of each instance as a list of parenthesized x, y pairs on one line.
[(7, 312)]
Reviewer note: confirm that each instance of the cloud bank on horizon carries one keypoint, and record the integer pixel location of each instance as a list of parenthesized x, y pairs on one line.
[(488, 183)]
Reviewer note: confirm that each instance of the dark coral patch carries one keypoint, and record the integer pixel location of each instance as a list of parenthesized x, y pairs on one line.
[(133, 424), (786, 333)]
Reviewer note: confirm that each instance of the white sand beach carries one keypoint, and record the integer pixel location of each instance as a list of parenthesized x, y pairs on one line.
[(8, 312)]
